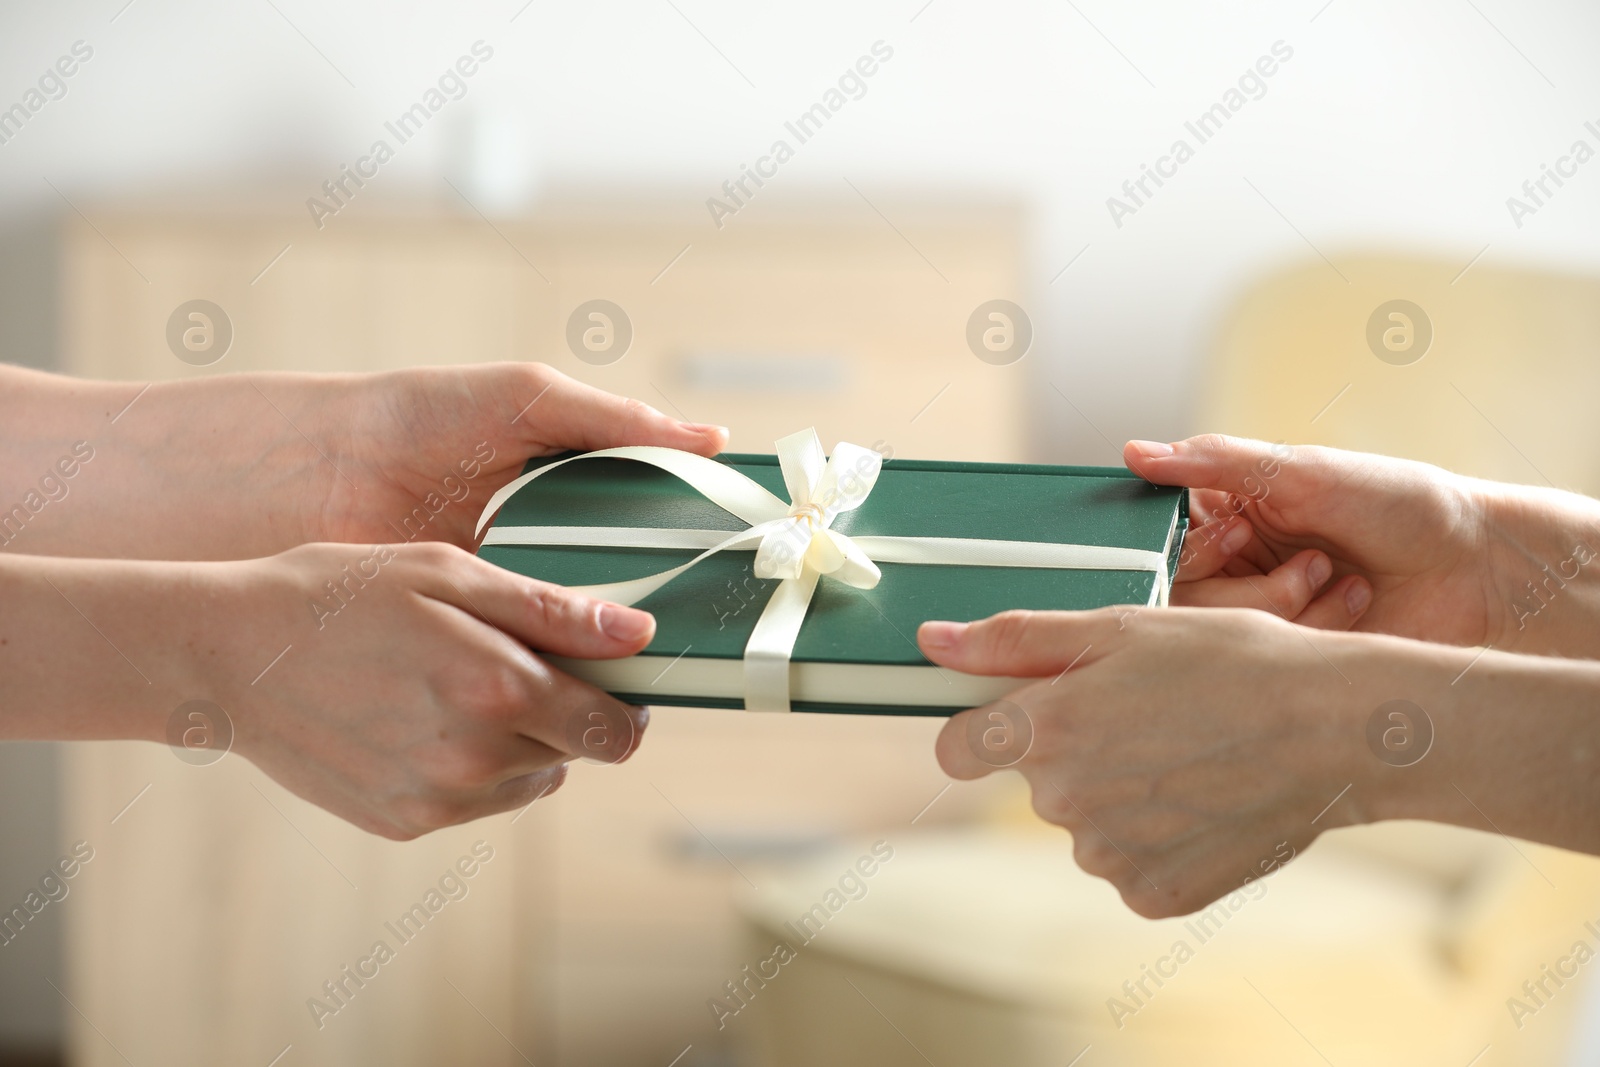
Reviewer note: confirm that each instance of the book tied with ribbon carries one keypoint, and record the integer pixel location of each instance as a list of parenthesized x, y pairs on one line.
[(797, 581)]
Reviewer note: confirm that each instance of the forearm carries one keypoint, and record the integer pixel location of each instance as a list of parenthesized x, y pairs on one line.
[(1515, 740), (1544, 545), (97, 649), (201, 469)]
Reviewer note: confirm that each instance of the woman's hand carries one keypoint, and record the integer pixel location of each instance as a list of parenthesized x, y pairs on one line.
[(1186, 750), (242, 466), (392, 685), (1190, 750), (419, 452), (408, 699), (1409, 545)]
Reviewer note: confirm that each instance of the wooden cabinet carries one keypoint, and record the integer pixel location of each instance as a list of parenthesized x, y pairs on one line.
[(829, 318)]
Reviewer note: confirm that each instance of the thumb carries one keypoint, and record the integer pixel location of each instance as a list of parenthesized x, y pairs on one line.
[(570, 414), (1210, 461), (1022, 644), (545, 617)]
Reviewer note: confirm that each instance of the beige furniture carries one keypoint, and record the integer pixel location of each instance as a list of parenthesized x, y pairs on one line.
[(822, 317), (1506, 390), (991, 946), (219, 903)]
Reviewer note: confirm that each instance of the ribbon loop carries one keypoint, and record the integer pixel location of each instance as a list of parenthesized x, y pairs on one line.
[(802, 462), (851, 473), (719, 483)]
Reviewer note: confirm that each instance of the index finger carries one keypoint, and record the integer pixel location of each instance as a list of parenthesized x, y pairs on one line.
[(542, 616), (1210, 461)]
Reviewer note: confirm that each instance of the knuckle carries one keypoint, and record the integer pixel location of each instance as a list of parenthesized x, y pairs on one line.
[(1053, 806), (528, 789), (423, 813), (309, 554), (1281, 596), (380, 823), (639, 417), (434, 555), (635, 411), (539, 375), (549, 605), (1096, 856), (491, 693), (1147, 902), (396, 832), (1007, 631), (546, 782), (1243, 625), (1118, 614)]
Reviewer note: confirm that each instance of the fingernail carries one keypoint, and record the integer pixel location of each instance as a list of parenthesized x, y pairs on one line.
[(705, 428), (1321, 567), (625, 624), (1152, 449), (941, 634), (1357, 597), (1237, 537)]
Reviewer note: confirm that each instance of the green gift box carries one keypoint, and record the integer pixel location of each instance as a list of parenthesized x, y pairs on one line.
[(856, 649)]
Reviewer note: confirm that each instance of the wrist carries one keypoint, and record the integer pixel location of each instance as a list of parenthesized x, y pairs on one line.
[(52, 432), (103, 649), (211, 469), (1496, 741), (1544, 571), (1386, 721), (1407, 722)]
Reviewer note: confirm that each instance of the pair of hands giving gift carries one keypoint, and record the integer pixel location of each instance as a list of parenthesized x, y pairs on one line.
[(328, 521)]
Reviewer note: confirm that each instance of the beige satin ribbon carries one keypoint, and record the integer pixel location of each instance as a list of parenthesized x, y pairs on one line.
[(793, 542)]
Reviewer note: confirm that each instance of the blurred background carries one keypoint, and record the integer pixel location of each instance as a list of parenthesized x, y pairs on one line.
[(1343, 162)]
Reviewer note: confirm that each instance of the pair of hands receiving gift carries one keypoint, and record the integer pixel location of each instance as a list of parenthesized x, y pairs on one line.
[(1186, 748), (298, 549)]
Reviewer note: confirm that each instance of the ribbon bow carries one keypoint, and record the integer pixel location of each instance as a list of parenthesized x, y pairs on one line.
[(820, 491), (794, 542)]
